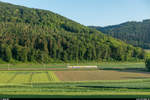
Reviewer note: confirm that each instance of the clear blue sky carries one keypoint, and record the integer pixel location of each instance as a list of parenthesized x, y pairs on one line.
[(93, 12)]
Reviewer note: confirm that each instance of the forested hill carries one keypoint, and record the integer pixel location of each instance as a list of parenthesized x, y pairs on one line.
[(135, 33), (34, 35)]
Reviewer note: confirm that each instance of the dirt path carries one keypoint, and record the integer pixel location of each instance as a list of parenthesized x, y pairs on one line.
[(29, 69)]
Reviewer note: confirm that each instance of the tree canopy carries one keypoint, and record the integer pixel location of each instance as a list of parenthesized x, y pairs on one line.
[(35, 35)]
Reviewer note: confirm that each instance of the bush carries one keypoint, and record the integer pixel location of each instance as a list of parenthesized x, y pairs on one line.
[(147, 63)]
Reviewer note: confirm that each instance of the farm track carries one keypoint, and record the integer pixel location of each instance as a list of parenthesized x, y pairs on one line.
[(30, 69)]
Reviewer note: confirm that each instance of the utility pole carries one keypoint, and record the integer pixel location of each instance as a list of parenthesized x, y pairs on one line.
[(8, 66)]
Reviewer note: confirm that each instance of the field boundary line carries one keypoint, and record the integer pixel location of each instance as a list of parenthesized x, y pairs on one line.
[(31, 76), (48, 76), (12, 78)]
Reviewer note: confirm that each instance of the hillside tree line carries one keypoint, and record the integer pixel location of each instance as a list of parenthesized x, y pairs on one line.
[(33, 35)]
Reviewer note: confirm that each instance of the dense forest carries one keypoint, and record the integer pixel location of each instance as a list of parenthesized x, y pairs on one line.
[(35, 35), (134, 33)]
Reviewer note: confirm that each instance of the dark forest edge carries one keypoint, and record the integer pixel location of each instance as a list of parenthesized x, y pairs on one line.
[(40, 36)]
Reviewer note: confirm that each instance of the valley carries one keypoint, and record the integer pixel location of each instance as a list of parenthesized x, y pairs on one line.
[(39, 47)]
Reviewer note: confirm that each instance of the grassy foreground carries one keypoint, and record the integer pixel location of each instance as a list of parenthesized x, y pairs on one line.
[(45, 84), (97, 89), (132, 88)]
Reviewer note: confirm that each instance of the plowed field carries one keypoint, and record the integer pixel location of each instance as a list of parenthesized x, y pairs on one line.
[(99, 75)]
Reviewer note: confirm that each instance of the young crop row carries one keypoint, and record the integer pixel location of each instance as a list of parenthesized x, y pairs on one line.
[(28, 77), (53, 77), (21, 78), (5, 77), (44, 77), (39, 77)]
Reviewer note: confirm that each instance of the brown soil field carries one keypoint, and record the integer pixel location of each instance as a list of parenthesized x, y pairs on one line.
[(99, 75)]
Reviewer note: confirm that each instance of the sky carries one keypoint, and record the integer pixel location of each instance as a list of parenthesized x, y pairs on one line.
[(93, 12)]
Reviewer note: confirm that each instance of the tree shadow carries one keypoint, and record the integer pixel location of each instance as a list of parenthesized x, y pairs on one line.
[(136, 77), (116, 87), (133, 70)]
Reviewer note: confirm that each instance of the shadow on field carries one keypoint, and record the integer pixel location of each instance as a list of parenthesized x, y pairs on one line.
[(14, 86), (136, 77), (113, 87), (72, 96), (133, 70)]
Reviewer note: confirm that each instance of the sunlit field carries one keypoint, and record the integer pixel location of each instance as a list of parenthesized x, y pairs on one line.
[(106, 81)]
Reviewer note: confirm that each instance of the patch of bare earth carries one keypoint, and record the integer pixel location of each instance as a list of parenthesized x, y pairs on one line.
[(99, 75)]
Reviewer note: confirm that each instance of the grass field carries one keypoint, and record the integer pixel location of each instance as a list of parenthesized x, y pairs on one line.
[(64, 65), (32, 66), (126, 89), (114, 80), (27, 77)]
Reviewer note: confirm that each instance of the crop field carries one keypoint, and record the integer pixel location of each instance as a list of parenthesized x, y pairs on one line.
[(27, 77), (40, 77), (100, 75), (6, 77), (21, 77), (137, 88), (123, 81)]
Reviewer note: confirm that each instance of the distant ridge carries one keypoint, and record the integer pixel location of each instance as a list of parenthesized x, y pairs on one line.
[(132, 32)]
